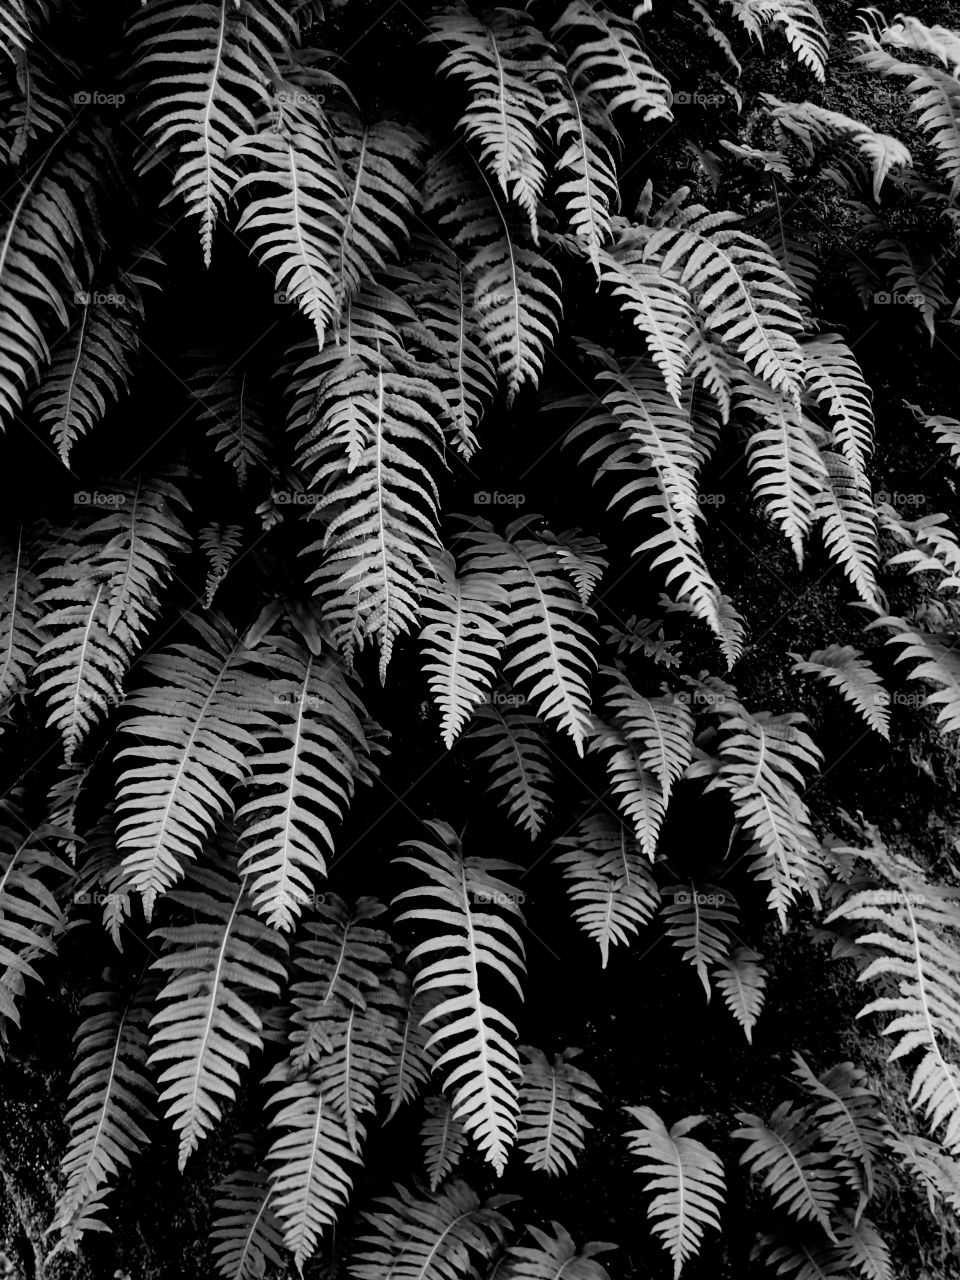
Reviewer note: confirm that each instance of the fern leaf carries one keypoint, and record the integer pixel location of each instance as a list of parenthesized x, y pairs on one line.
[(549, 653), (915, 931), (520, 768), (194, 727), (207, 68), (206, 1027), (514, 289), (555, 1256), (445, 1236), (413, 1060), (245, 1236), (221, 544), (584, 136), (849, 528), (835, 381), (479, 1062), (20, 618), (462, 640), (937, 1173), (638, 792), (294, 195), (804, 1257), (741, 979), (862, 1247), (443, 1140), (609, 882), (801, 22), (783, 1155), (662, 728), (762, 758), (312, 1163), (938, 665), (695, 917), (553, 1121), (302, 782), (234, 412), (110, 1097), (686, 1180), (501, 60), (946, 430), (846, 668), (608, 59)]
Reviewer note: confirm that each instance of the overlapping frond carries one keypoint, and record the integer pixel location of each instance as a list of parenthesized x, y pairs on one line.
[(606, 57), (555, 1255), (443, 1139), (741, 979), (553, 1120), (520, 771), (845, 667), (696, 918), (20, 618), (245, 1236), (797, 1175)]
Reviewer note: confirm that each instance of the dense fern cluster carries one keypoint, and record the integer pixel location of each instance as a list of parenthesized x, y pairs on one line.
[(431, 284)]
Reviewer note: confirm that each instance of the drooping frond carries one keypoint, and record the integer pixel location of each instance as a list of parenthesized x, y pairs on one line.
[(834, 380), (445, 1236), (293, 202), (916, 930), (850, 1120), (413, 1059), (301, 784), (101, 588), (503, 62), (90, 365), (945, 429), (233, 411), (585, 138), (609, 882), (207, 68), (849, 527), (20, 618), (377, 497), (685, 1178), (696, 917), (443, 1139), (863, 1248), (221, 544), (462, 638), (110, 1103), (762, 758), (741, 979), (193, 731), (804, 1256), (606, 57), (846, 668), (311, 1164), (937, 664), (470, 914), (520, 770), (931, 546), (217, 967), (245, 1235), (553, 1120), (638, 792), (555, 1256), (784, 1156), (801, 23), (514, 289), (549, 653), (936, 1172), (661, 728)]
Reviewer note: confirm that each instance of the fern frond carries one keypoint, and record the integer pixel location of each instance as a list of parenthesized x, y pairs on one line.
[(849, 1119), (549, 653), (461, 639), (638, 792), (520, 770), (741, 979), (479, 1062), (217, 967), (445, 1236), (801, 22), (662, 729), (918, 273), (608, 59), (553, 1121), (762, 758), (110, 1102), (207, 69), (835, 381), (443, 1140), (938, 664), (503, 61), (312, 1162), (916, 930), (931, 544), (806, 1256), (555, 1256), (221, 544), (695, 916), (783, 1156), (514, 289), (609, 882), (302, 782), (245, 1235), (686, 1180), (936, 1172), (846, 668), (849, 528), (234, 414), (413, 1060), (194, 736), (945, 429), (20, 620), (585, 138)]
